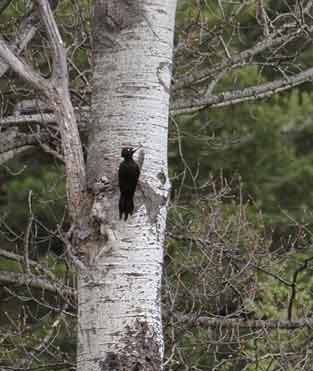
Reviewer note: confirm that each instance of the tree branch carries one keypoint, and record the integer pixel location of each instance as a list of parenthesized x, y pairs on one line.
[(302, 267), (20, 259), (12, 140), (56, 42), (183, 105), (22, 279), (275, 39), (57, 92), (247, 324), (24, 34), (24, 70), (9, 155), (44, 119)]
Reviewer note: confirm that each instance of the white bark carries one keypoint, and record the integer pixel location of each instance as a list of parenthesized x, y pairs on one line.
[(119, 303)]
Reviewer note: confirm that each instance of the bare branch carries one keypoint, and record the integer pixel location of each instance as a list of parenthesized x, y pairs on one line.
[(10, 154), (21, 279), (248, 324), (239, 59), (24, 70), (24, 34), (13, 140), (252, 93), (44, 119), (38, 118), (32, 263), (56, 42), (302, 267), (61, 103)]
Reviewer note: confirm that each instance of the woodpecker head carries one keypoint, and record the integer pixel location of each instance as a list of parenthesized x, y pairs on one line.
[(127, 152)]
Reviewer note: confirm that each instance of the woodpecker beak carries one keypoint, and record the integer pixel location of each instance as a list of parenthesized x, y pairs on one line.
[(136, 148)]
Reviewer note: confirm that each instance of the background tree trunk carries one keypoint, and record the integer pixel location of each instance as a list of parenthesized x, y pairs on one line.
[(119, 302)]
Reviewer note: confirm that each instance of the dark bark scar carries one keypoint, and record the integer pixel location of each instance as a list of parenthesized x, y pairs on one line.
[(141, 351)]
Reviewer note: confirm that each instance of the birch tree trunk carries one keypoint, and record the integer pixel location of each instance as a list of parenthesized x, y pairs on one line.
[(119, 299)]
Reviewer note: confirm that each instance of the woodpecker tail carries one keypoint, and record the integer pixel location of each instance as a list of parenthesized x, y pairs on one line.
[(126, 205)]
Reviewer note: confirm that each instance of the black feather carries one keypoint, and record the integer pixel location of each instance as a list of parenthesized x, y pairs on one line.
[(128, 175)]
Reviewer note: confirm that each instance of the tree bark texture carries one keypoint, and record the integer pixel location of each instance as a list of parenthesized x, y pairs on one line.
[(119, 299)]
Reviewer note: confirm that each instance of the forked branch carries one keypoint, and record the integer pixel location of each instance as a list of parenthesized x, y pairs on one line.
[(56, 91)]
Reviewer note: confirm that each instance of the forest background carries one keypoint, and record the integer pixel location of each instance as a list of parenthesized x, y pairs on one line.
[(237, 292)]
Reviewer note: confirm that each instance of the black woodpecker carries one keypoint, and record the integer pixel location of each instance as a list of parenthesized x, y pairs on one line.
[(128, 175)]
